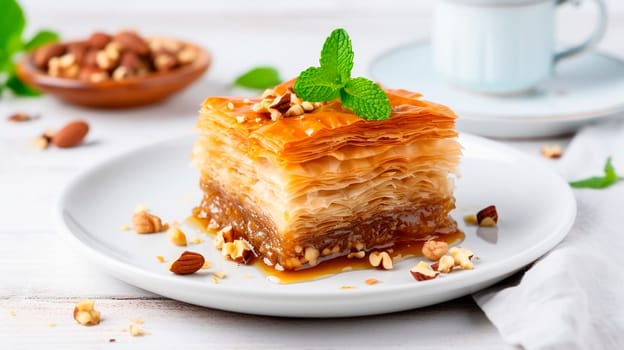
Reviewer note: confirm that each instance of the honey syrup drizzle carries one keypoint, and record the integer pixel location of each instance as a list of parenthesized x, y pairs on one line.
[(337, 265)]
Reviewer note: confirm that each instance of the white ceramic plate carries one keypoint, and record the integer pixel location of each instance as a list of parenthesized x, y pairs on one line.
[(583, 89), (536, 210)]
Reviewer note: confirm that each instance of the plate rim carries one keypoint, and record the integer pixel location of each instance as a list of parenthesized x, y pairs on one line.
[(543, 118), (120, 269)]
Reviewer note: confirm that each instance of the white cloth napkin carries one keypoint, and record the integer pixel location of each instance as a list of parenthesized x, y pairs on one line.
[(573, 297)]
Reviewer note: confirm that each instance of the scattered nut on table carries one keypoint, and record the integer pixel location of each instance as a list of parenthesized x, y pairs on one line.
[(85, 313)]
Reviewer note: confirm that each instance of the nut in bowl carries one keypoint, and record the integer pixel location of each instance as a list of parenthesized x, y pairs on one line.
[(114, 71)]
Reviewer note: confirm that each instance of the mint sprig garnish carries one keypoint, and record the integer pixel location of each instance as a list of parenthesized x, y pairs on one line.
[(599, 182), (333, 80)]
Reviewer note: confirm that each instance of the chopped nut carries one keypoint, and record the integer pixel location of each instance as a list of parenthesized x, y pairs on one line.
[(21, 117), (357, 255), (206, 265), (223, 236), (219, 275), (371, 281), (160, 258), (125, 227), (487, 217), (347, 287), (41, 142), (136, 331), (552, 152), (446, 264), (85, 314), (195, 240), (214, 280), (462, 257), (281, 103), (434, 250), (176, 236), (238, 250), (422, 272), (471, 219), (294, 110), (380, 259), (307, 106), (145, 222), (311, 255)]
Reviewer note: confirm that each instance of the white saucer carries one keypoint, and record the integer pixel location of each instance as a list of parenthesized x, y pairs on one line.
[(97, 203), (583, 89)]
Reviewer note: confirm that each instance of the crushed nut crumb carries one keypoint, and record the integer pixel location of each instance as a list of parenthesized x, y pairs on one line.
[(160, 258), (85, 313), (371, 281), (347, 287), (125, 227), (552, 151), (136, 331)]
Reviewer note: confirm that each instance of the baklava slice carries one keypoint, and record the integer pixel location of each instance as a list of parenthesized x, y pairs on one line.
[(305, 182)]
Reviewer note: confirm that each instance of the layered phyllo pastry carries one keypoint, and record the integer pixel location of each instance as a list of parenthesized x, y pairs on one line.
[(304, 182)]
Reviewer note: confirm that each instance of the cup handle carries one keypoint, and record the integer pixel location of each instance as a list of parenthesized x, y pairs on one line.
[(593, 39)]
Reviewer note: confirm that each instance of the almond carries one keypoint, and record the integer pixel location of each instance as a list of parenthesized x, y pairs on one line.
[(130, 41), (42, 56), (99, 40), (71, 134), (187, 263)]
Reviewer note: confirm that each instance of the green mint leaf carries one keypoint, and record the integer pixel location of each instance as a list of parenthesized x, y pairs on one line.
[(12, 24), (19, 88), (315, 85), (259, 78), (366, 99), (599, 182), (337, 55), (41, 38)]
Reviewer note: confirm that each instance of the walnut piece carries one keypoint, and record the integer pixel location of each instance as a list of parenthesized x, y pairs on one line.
[(85, 314), (145, 222), (434, 250), (462, 257), (446, 264)]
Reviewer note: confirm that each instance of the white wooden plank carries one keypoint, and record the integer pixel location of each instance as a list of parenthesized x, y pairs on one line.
[(172, 324)]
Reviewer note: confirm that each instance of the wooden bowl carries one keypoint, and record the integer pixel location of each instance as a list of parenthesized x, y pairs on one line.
[(131, 92)]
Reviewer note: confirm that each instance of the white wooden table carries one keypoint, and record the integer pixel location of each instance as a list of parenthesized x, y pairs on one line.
[(41, 277)]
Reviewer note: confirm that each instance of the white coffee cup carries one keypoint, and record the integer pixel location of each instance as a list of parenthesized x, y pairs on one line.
[(500, 46)]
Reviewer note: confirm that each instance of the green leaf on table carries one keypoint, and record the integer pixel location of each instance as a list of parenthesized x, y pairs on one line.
[(41, 38), (333, 79), (19, 88), (259, 78), (600, 182)]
